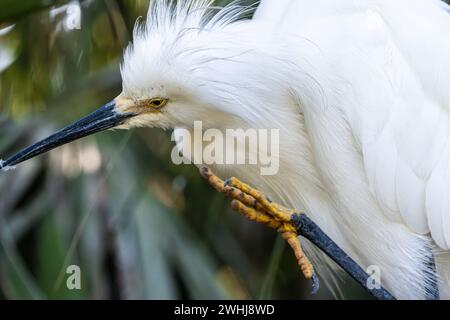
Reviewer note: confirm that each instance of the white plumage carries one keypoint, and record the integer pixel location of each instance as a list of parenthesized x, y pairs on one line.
[(360, 91)]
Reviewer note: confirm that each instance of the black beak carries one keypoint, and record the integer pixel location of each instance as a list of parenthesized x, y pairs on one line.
[(104, 118)]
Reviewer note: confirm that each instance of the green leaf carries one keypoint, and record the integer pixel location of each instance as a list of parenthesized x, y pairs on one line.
[(51, 251)]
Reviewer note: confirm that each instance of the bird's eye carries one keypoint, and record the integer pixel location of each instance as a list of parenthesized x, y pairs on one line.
[(157, 103)]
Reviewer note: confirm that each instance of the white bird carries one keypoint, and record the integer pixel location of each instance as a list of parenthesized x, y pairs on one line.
[(360, 91)]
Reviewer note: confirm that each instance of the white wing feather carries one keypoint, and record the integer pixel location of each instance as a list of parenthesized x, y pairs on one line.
[(405, 140)]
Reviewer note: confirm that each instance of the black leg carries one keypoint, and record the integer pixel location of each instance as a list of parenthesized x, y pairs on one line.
[(308, 229), (433, 289)]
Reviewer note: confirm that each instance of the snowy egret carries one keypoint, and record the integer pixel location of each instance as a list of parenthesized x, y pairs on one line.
[(359, 92)]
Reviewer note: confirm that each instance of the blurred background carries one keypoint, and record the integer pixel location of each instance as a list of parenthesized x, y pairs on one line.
[(138, 226)]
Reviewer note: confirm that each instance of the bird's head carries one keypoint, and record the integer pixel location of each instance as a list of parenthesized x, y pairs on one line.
[(170, 75)]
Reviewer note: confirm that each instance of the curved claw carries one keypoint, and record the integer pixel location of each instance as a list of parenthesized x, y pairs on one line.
[(254, 205)]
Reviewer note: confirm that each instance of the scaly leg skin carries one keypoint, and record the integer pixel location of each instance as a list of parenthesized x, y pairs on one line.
[(255, 206)]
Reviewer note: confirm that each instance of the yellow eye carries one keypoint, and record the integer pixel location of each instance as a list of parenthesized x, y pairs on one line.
[(157, 103)]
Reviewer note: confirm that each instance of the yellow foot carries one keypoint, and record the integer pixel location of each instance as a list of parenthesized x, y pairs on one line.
[(256, 207)]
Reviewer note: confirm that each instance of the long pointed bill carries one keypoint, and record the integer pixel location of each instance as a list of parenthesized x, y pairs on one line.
[(104, 118)]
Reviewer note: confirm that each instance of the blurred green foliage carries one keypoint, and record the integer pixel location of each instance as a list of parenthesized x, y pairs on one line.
[(11, 9), (114, 204)]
